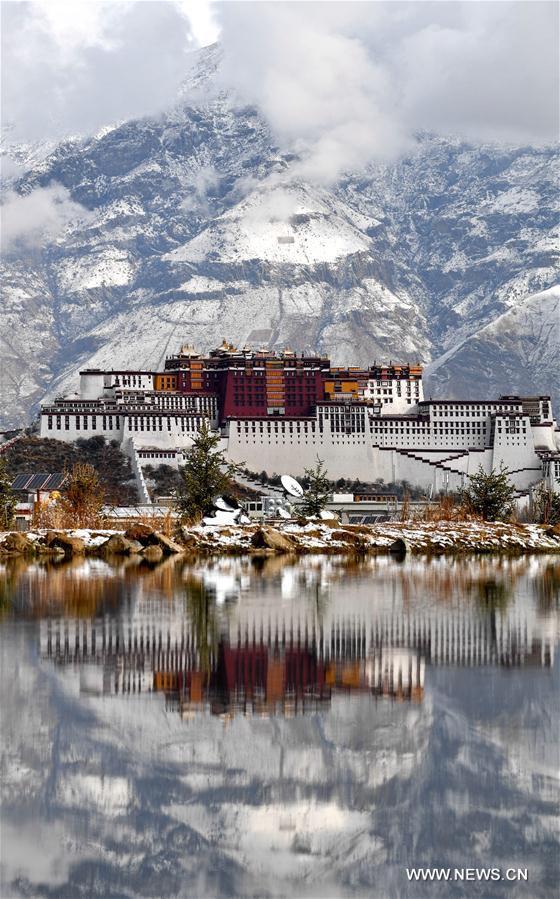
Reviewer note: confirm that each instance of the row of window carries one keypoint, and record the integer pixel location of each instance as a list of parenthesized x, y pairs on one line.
[(472, 409), (110, 422), (285, 426)]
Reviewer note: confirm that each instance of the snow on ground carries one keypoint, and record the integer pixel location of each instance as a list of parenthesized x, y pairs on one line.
[(280, 225), (319, 536), (109, 267), (514, 201), (440, 537)]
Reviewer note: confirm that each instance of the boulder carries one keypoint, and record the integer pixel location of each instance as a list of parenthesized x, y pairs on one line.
[(143, 533), (135, 547), (351, 538), (168, 546), (71, 546), (152, 553), (15, 542), (147, 536), (188, 539), (51, 536), (42, 550), (270, 538), (400, 547), (118, 545)]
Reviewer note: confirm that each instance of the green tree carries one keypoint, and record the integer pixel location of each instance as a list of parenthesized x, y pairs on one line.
[(8, 501), (205, 474), (318, 491), (490, 495), (546, 505)]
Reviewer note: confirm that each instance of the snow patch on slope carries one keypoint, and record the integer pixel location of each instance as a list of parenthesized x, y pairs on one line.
[(283, 225)]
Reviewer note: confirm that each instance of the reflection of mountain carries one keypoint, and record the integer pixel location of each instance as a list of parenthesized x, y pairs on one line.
[(121, 797)]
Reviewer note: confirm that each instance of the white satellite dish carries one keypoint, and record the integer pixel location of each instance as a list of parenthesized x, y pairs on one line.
[(291, 486), (282, 513), (220, 503)]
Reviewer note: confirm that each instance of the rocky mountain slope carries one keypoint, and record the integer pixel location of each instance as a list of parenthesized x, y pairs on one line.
[(195, 227)]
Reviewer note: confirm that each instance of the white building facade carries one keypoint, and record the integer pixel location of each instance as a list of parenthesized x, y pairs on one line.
[(393, 435)]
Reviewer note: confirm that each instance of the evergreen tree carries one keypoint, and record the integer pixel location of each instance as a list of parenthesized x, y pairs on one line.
[(546, 505), (490, 495), (8, 501), (83, 497), (318, 491), (205, 474)]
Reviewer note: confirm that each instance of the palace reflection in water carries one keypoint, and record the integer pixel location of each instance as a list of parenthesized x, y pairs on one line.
[(315, 723), (286, 659)]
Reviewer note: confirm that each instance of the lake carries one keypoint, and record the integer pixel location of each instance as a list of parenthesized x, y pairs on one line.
[(269, 727)]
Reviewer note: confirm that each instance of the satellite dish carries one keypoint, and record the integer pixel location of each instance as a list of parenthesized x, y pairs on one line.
[(282, 513), (291, 486), (220, 503)]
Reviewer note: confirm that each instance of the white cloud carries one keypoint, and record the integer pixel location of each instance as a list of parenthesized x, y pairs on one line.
[(345, 83), (341, 83), (203, 181), (38, 217), (10, 168), (71, 68)]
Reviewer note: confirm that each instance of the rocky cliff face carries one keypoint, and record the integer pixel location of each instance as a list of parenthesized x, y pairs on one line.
[(194, 229)]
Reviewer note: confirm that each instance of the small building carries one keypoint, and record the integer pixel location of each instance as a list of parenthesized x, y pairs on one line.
[(33, 490)]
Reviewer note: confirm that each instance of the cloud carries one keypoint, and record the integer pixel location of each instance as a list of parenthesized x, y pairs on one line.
[(203, 182), (73, 68), (340, 83), (10, 168), (38, 217), (345, 83)]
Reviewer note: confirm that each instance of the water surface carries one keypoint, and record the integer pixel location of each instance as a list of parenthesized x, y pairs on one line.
[(271, 728)]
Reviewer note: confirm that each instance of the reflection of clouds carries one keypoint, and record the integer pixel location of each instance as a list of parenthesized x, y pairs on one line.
[(331, 804), (35, 853)]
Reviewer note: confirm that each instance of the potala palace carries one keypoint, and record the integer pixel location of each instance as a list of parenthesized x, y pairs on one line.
[(278, 412)]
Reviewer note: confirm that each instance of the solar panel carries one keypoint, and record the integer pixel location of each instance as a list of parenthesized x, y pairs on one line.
[(20, 481), (55, 481), (38, 480)]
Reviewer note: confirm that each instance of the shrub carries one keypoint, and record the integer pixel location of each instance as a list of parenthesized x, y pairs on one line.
[(490, 495)]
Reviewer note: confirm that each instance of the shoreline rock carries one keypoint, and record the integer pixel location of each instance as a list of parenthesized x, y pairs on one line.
[(301, 537)]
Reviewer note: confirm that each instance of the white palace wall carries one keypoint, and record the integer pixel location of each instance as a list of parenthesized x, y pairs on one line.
[(344, 456), (429, 444)]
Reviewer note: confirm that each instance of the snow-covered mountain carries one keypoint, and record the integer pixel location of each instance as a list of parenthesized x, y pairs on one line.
[(195, 227)]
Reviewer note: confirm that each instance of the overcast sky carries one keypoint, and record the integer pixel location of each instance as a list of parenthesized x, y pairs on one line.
[(342, 83)]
